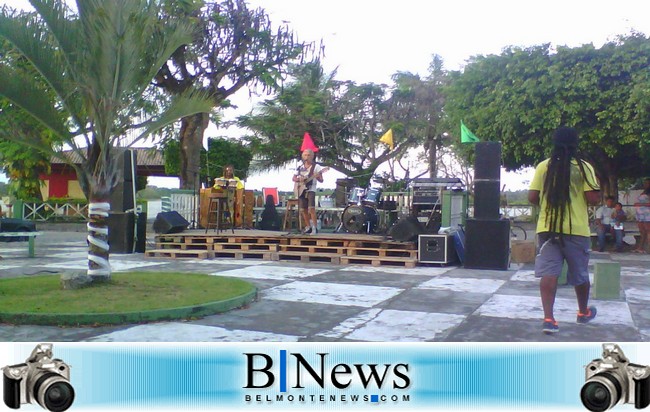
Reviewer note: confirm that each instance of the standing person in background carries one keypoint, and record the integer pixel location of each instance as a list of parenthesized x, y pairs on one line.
[(563, 186), (308, 173), (642, 206)]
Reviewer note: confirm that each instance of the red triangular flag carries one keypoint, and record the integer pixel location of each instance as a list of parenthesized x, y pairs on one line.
[(307, 143)]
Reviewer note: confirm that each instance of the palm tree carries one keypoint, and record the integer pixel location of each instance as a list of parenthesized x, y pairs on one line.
[(89, 81)]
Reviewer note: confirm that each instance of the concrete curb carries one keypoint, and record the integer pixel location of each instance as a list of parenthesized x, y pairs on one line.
[(89, 319)]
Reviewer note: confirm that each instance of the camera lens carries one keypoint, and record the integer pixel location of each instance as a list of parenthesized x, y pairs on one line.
[(600, 393), (53, 392), (59, 396)]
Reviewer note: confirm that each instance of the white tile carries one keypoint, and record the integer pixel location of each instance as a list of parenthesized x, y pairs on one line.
[(7, 267), (525, 276), (395, 326), (116, 265), (272, 272), (469, 285), (419, 271), (634, 295), (331, 293), (635, 271), (226, 262), (631, 256), (68, 255), (349, 325), (565, 310), (183, 332)]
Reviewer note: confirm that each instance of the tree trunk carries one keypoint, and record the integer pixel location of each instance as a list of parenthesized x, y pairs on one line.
[(433, 154), (191, 142), (99, 268)]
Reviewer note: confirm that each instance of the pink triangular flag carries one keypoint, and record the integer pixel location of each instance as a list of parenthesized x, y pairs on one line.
[(307, 143)]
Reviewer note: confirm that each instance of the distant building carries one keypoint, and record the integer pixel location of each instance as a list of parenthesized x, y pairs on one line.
[(62, 182)]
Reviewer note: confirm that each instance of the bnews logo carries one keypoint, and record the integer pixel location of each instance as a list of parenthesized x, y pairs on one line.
[(295, 371)]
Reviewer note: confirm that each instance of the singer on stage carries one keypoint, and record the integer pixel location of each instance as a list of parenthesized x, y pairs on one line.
[(305, 189)]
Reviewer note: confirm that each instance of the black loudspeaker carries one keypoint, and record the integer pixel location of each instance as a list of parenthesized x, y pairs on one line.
[(120, 232), (487, 161), (487, 198), (17, 225), (141, 231), (406, 229), (169, 222), (487, 244), (436, 249), (122, 195)]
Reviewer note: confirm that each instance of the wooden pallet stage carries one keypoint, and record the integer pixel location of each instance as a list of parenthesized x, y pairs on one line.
[(333, 248)]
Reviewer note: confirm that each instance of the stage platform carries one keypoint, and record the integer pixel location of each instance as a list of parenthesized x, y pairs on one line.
[(334, 248)]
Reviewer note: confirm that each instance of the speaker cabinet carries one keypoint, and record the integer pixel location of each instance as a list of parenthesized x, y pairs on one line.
[(487, 161), (406, 229), (120, 232), (169, 222), (17, 225), (487, 244), (436, 249), (141, 232), (487, 199), (122, 195)]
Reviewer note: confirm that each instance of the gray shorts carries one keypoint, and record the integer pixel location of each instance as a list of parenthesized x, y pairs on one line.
[(551, 255)]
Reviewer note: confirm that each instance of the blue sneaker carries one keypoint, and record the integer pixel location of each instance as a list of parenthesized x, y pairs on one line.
[(550, 326), (588, 317)]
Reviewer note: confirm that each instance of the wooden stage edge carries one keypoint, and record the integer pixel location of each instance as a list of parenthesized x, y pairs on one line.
[(332, 248)]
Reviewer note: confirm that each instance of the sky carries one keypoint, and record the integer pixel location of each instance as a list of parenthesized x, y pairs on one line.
[(369, 40)]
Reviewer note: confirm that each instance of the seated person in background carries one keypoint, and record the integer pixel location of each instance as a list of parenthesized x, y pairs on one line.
[(270, 219), (618, 217), (605, 224)]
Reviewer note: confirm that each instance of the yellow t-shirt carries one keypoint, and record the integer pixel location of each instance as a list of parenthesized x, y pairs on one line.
[(578, 223)]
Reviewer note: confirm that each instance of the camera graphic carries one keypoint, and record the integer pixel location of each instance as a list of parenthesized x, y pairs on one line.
[(613, 380), (40, 379)]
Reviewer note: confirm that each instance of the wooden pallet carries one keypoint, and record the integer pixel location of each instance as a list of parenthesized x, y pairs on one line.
[(245, 247), (378, 244), (374, 252), (312, 249), (377, 261), (179, 254), (313, 241), (310, 258), (258, 255), (183, 246)]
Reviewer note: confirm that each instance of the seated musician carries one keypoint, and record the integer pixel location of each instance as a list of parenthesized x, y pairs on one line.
[(228, 174)]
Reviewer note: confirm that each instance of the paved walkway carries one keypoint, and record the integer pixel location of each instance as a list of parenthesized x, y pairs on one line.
[(323, 302)]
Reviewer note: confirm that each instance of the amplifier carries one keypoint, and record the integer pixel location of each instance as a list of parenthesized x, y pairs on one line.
[(437, 249)]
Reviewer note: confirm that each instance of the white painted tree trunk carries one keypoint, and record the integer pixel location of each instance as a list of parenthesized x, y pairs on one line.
[(99, 268)]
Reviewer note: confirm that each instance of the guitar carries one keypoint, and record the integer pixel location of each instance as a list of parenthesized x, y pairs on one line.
[(300, 187)]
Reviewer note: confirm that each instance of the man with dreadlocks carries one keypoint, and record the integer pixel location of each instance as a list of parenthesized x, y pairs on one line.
[(563, 186)]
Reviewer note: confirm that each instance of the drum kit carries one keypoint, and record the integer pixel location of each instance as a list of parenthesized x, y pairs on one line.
[(361, 214)]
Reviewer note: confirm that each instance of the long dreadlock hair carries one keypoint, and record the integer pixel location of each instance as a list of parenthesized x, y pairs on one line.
[(557, 184)]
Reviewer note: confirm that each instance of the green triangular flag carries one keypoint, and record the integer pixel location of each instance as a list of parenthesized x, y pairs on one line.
[(466, 136)]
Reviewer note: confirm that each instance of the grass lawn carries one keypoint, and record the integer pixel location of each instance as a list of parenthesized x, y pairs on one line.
[(126, 292)]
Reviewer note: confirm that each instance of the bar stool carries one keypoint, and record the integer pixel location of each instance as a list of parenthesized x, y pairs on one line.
[(219, 207), (288, 214)]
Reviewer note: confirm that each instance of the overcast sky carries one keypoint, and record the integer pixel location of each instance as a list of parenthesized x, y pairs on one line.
[(369, 40)]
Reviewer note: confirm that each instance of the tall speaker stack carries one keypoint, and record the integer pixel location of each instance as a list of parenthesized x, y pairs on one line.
[(487, 236)]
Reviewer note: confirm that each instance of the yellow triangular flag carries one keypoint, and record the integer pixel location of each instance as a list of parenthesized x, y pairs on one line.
[(387, 138)]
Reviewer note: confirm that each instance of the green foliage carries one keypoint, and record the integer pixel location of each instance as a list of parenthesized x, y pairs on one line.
[(522, 95), (221, 152), (345, 120), (235, 46), (86, 76)]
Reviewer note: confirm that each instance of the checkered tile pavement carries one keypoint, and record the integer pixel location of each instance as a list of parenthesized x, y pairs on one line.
[(319, 302)]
